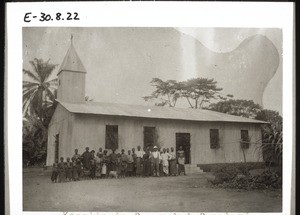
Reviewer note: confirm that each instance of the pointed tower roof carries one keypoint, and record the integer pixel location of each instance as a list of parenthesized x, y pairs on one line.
[(72, 61)]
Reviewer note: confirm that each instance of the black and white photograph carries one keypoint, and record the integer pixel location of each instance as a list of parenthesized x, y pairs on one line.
[(152, 118)]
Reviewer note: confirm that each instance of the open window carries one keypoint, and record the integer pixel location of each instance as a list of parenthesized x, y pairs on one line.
[(149, 136), (245, 140), (184, 140), (214, 138), (111, 137)]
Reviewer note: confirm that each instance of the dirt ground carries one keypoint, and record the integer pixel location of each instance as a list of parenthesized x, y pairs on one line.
[(190, 193)]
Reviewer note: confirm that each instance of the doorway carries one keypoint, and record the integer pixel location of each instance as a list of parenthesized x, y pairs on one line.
[(183, 139), (56, 150)]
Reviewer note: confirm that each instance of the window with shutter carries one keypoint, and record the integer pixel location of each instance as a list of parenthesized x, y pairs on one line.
[(214, 139), (245, 139), (111, 137)]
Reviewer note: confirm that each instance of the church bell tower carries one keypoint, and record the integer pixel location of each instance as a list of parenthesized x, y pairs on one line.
[(71, 78)]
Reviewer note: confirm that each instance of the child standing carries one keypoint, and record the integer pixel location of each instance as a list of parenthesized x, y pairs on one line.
[(68, 170), (124, 163), (119, 165), (130, 164), (98, 164), (104, 165), (93, 165), (54, 173), (78, 167), (74, 170), (181, 161), (61, 170)]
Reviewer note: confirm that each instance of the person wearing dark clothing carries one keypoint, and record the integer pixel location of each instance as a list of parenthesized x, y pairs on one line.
[(147, 164), (113, 161), (68, 170), (134, 162), (130, 164), (61, 170), (86, 159), (54, 175), (93, 165), (75, 176)]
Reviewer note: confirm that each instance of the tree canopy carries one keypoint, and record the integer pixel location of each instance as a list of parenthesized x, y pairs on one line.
[(271, 133), (199, 91), (39, 103), (166, 92), (39, 92), (238, 107), (196, 91)]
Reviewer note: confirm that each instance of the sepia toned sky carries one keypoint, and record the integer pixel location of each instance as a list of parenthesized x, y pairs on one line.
[(120, 62)]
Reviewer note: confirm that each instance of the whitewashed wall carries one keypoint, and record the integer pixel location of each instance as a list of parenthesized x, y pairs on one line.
[(62, 124), (81, 130), (71, 86)]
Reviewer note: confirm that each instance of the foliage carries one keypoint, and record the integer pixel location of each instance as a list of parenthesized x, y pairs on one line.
[(238, 107), (265, 180), (34, 141), (166, 92), (38, 92), (196, 91), (224, 174), (39, 104), (199, 91), (272, 136), (271, 133)]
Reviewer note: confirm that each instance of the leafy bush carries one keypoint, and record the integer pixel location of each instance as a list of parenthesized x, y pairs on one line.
[(240, 178)]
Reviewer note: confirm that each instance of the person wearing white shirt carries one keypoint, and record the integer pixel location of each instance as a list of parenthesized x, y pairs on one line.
[(165, 156), (156, 159), (139, 156), (172, 162)]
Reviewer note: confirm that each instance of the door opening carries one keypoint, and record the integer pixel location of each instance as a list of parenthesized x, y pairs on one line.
[(56, 155), (183, 139)]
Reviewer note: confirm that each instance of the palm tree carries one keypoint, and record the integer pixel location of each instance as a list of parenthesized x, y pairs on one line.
[(39, 92)]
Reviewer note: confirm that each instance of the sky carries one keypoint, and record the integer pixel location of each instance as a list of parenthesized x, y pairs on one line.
[(120, 62)]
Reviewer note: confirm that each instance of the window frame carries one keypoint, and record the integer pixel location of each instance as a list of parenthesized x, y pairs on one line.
[(215, 145), (147, 143), (109, 143), (245, 141)]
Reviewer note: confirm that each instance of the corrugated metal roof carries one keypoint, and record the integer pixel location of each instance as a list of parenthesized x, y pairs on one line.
[(72, 62), (189, 114)]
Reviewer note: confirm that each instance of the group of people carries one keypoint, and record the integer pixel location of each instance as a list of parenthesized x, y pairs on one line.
[(139, 163)]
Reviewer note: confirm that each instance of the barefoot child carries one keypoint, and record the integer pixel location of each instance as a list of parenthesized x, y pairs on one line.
[(93, 165), (98, 159), (104, 164), (54, 175), (130, 164), (181, 161), (74, 170), (68, 170), (61, 170)]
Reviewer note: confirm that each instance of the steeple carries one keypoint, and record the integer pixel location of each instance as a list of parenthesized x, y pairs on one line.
[(72, 61), (71, 76)]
